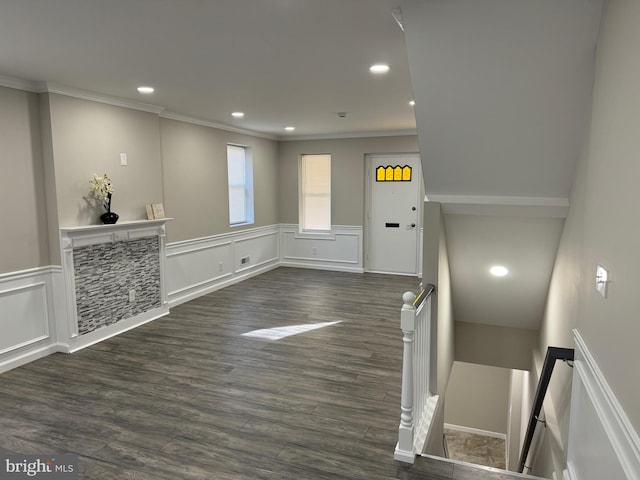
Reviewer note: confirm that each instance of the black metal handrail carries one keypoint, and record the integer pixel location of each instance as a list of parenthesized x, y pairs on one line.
[(553, 354), (424, 294)]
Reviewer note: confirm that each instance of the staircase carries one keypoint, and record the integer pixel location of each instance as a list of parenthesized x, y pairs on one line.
[(430, 467)]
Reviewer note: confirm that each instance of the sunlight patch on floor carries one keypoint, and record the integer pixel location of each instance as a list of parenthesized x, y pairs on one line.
[(281, 332)]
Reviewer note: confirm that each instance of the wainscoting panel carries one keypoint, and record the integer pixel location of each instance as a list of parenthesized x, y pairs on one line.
[(602, 441), (27, 321), (200, 266), (340, 250), (256, 250), (189, 269)]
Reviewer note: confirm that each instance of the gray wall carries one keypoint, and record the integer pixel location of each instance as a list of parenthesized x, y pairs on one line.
[(87, 138), (435, 270), (347, 173), (56, 142), (23, 236), (478, 397), (194, 162), (496, 346), (603, 225)]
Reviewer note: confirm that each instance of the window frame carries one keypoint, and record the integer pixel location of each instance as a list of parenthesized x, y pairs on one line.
[(246, 185), (303, 194)]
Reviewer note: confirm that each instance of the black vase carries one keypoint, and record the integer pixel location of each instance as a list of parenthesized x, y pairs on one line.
[(109, 218)]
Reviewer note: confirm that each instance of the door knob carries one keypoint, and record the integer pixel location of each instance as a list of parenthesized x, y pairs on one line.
[(413, 208), (413, 225)]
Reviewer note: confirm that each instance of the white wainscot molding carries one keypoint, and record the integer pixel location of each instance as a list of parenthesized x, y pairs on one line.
[(602, 441), (200, 266), (72, 334), (339, 250), (27, 316)]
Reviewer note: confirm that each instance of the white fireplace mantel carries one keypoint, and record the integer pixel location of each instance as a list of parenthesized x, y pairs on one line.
[(94, 234), (70, 338)]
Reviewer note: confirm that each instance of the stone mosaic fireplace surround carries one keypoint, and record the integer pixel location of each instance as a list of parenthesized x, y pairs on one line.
[(114, 278)]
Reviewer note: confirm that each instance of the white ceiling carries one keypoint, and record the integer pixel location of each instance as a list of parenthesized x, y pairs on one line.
[(502, 91), (503, 98), (526, 246), (282, 62)]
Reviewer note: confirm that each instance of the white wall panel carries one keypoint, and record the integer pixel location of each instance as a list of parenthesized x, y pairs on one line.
[(200, 266), (602, 441), (26, 316), (191, 268), (260, 249), (339, 250)]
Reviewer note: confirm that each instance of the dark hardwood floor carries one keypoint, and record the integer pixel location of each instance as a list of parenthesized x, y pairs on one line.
[(188, 397)]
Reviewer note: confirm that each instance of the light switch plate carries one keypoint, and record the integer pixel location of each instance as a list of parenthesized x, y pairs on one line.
[(123, 159), (602, 279)]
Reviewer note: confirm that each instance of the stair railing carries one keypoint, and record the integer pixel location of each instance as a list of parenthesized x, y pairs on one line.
[(553, 354), (417, 403)]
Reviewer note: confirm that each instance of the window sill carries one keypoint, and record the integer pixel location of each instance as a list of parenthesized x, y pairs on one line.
[(234, 225), (316, 235)]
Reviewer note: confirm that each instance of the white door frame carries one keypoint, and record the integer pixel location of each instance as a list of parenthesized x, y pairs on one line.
[(367, 207)]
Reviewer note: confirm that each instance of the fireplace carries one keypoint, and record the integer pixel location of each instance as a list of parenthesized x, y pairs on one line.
[(114, 280)]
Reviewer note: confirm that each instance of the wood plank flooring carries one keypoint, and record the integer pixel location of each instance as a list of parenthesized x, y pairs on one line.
[(188, 397)]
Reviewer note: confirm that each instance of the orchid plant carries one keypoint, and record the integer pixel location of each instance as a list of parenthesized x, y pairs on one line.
[(101, 189)]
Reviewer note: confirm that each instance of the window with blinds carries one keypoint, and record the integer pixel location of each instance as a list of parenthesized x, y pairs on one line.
[(315, 193), (240, 176)]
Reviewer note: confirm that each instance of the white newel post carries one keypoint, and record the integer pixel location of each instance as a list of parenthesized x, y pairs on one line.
[(404, 449)]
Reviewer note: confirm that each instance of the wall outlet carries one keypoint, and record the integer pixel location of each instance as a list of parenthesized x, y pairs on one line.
[(220, 265), (244, 260), (123, 159), (314, 251), (132, 295)]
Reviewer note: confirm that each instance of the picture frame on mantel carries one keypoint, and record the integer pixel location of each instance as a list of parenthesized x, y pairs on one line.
[(155, 211)]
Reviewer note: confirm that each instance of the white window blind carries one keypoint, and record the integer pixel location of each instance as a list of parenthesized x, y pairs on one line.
[(240, 185), (315, 192)]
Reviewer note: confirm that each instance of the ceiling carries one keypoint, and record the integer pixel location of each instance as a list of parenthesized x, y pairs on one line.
[(281, 62), (502, 91), (526, 246), (503, 99)]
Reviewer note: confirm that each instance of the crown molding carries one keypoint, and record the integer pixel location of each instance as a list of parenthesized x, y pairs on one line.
[(196, 121), (100, 98), (21, 84), (50, 87), (549, 207), (329, 136)]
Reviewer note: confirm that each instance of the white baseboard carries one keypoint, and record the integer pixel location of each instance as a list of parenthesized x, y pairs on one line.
[(178, 298), (475, 431), (598, 424), (321, 266), (88, 339)]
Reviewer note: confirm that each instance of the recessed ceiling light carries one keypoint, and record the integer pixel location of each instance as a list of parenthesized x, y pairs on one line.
[(146, 90), (237, 114), (289, 129), (498, 271), (412, 102), (379, 68)]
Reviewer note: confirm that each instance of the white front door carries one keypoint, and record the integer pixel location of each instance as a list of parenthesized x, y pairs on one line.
[(393, 213)]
